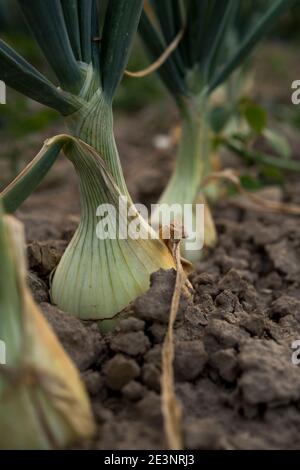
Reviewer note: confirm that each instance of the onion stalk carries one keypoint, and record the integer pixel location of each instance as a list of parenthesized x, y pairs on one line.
[(126, 263), (96, 277), (43, 403)]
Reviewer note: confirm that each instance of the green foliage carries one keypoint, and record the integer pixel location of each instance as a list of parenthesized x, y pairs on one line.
[(23, 77), (46, 21), (219, 116), (256, 179), (278, 143), (251, 155), (121, 23), (255, 115), (14, 195), (252, 121), (249, 182)]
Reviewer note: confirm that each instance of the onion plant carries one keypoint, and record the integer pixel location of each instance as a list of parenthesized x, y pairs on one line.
[(43, 403), (87, 44), (201, 63)]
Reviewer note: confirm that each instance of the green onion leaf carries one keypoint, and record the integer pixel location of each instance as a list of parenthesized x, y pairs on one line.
[(95, 36), (198, 19), (20, 75), (85, 21), (30, 178), (279, 143), (255, 115), (263, 158), (168, 14), (121, 22), (223, 22), (168, 72), (70, 9), (47, 23)]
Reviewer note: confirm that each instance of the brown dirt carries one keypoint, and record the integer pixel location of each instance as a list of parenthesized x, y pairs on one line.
[(234, 375)]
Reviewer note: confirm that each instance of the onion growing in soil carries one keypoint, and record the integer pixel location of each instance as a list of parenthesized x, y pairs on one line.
[(96, 278), (201, 63), (43, 403)]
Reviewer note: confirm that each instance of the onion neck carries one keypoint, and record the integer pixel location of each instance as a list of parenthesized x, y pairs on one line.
[(99, 276), (93, 124), (192, 156), (191, 167)]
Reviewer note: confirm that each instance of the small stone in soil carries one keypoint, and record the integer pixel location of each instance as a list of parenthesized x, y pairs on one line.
[(268, 375), (203, 434), (93, 381), (227, 300), (226, 364), (43, 257), (131, 324), (220, 334), (38, 288), (285, 258), (228, 262), (151, 376), (119, 371), (254, 324), (155, 304), (101, 413), (190, 360), (157, 331), (233, 281), (135, 343), (133, 391), (195, 316), (153, 356), (150, 408), (84, 344), (285, 305)]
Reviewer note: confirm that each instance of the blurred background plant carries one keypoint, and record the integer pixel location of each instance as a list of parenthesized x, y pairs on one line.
[(248, 123), (215, 42)]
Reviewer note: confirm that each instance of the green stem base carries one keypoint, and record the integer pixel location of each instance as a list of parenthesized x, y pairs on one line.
[(192, 164)]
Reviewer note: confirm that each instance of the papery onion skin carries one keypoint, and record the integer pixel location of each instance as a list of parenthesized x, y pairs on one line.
[(43, 403)]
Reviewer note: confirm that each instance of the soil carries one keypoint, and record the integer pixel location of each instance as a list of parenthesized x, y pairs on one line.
[(233, 365)]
